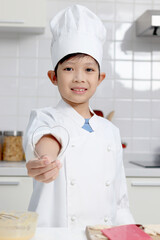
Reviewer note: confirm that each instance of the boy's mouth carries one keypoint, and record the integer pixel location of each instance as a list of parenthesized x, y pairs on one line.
[(79, 90)]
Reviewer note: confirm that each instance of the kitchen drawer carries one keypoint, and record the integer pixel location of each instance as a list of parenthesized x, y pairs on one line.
[(144, 198), (15, 193)]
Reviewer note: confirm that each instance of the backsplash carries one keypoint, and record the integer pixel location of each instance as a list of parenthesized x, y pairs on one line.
[(131, 64)]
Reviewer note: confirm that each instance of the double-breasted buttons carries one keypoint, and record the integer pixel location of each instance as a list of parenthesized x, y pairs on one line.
[(72, 182), (109, 148), (73, 218), (107, 183)]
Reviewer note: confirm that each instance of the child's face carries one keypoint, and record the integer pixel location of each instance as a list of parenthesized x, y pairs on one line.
[(77, 79)]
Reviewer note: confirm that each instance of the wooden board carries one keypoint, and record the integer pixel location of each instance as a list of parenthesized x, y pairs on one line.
[(94, 233)]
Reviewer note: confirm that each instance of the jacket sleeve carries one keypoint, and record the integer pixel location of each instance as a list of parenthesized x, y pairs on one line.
[(123, 215), (41, 122)]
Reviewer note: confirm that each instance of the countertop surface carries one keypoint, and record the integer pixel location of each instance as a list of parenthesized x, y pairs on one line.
[(13, 168), (59, 234), (131, 170)]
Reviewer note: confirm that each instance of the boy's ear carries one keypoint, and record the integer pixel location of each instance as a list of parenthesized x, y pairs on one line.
[(101, 78), (52, 77)]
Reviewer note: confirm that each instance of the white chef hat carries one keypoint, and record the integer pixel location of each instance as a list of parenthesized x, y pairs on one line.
[(77, 30)]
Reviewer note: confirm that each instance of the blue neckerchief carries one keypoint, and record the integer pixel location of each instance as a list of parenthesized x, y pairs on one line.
[(87, 126)]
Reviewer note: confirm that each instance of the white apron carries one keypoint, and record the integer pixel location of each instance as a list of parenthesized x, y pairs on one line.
[(91, 186)]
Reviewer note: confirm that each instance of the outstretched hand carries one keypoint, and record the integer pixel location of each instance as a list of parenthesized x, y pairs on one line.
[(43, 169)]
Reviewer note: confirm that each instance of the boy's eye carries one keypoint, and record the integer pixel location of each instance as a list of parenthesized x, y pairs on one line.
[(89, 70), (68, 69)]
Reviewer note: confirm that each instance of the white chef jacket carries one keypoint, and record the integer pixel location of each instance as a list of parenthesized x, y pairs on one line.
[(91, 186)]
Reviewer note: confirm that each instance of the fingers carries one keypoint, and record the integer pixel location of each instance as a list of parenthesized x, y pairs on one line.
[(37, 163), (48, 176), (43, 161), (32, 172), (43, 169)]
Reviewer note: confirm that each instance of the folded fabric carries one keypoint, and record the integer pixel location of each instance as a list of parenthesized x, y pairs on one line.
[(126, 232)]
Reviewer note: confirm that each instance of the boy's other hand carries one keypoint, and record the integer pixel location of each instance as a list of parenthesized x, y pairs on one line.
[(44, 169)]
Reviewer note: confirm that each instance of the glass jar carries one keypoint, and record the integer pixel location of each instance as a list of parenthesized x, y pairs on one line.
[(0, 145), (12, 146)]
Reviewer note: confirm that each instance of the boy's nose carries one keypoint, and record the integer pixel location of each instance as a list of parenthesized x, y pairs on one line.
[(78, 77)]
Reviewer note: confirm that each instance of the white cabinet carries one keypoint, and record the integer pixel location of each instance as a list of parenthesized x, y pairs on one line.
[(23, 15), (144, 198), (15, 193)]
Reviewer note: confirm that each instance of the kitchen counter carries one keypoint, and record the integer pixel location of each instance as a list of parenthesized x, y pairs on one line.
[(131, 170), (13, 168), (59, 234)]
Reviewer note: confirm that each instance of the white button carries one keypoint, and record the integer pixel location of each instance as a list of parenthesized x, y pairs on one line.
[(73, 145), (107, 183), (72, 182), (109, 148), (73, 218), (105, 219)]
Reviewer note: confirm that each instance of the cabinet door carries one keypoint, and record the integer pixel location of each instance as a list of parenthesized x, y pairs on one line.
[(15, 193), (22, 13), (144, 198)]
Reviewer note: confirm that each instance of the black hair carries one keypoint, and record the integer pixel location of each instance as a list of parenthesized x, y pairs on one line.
[(79, 55)]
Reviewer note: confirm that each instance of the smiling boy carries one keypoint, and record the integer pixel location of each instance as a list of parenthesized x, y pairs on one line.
[(77, 78), (78, 175)]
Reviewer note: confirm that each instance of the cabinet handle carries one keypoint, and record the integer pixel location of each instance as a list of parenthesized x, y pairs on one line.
[(9, 183), (12, 21), (145, 184)]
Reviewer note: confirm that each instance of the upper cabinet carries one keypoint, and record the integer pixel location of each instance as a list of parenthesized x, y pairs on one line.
[(23, 15)]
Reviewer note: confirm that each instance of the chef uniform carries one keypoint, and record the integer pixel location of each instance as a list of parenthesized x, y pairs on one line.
[(91, 186)]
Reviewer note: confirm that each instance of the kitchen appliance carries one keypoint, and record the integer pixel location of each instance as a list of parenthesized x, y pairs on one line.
[(147, 164), (148, 24)]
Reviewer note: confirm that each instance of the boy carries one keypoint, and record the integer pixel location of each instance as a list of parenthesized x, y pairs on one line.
[(86, 185)]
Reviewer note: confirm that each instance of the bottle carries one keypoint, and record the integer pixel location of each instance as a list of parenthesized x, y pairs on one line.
[(12, 146)]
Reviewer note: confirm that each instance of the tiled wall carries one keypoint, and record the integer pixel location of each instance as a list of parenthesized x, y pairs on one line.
[(132, 66)]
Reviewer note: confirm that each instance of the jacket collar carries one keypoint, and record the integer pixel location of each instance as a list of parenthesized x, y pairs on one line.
[(74, 115)]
